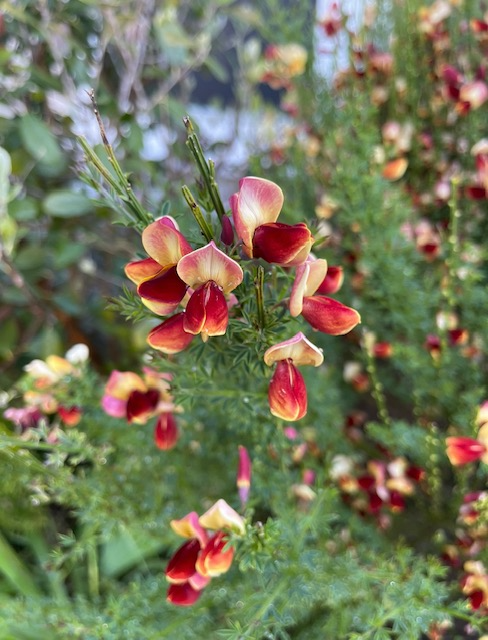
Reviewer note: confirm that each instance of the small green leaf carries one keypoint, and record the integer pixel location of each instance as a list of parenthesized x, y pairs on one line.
[(66, 204), (41, 144)]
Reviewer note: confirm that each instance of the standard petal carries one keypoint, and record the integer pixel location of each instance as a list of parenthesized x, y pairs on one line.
[(329, 316), (332, 282), (284, 244), (210, 263), (287, 393), (299, 349), (170, 336), (181, 567), (206, 312), (122, 383), (183, 595), (166, 432), (258, 201), (189, 527), (213, 561), (222, 516), (308, 278), (164, 243), (166, 290), (141, 270)]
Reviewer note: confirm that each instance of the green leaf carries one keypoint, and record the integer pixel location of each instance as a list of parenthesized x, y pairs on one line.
[(41, 144), (23, 210), (66, 204), (5, 171)]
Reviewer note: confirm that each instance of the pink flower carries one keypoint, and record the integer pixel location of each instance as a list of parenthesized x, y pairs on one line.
[(255, 209), (287, 393), (244, 475)]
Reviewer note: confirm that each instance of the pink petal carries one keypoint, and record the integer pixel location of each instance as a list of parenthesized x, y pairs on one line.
[(244, 475), (329, 316), (166, 432), (298, 349), (287, 393), (284, 244), (164, 243), (141, 270), (206, 312), (189, 527), (308, 278), (170, 336), (210, 263), (258, 201), (474, 93), (114, 407)]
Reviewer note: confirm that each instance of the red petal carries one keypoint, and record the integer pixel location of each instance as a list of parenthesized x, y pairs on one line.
[(141, 404), (206, 311), (181, 567), (287, 393), (213, 560), (284, 244), (182, 595), (332, 281), (170, 336), (168, 288), (166, 432), (464, 450), (329, 316)]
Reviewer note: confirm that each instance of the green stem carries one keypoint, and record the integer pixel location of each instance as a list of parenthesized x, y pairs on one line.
[(207, 171), (197, 212), (56, 585), (259, 285), (14, 570), (93, 572)]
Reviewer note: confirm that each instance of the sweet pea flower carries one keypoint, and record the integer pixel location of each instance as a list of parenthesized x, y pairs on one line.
[(212, 275), (324, 314), (255, 209), (287, 394), (205, 555), (158, 283)]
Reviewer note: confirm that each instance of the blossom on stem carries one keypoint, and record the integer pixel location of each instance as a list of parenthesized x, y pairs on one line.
[(322, 313), (204, 555), (255, 209), (158, 283), (287, 393), (212, 275), (464, 450), (244, 475)]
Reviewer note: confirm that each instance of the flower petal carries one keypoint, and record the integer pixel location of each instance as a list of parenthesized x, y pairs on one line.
[(298, 349), (165, 244), (140, 270), (114, 406), (122, 383), (222, 516), (206, 312), (244, 475), (166, 289), (258, 201), (329, 316), (213, 561), (141, 405), (210, 263), (183, 595), (332, 282), (170, 336), (395, 169), (463, 450), (166, 432), (181, 567), (189, 527), (308, 278), (287, 393), (284, 244)]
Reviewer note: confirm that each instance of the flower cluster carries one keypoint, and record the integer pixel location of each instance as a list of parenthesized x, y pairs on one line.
[(138, 399), (46, 381), (206, 554)]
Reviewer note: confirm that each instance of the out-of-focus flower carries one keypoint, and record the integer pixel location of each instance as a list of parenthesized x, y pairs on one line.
[(464, 450), (244, 475), (395, 169), (71, 416), (287, 393), (282, 63), (255, 209), (475, 585), (23, 417), (205, 555), (322, 313), (332, 21), (166, 432)]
